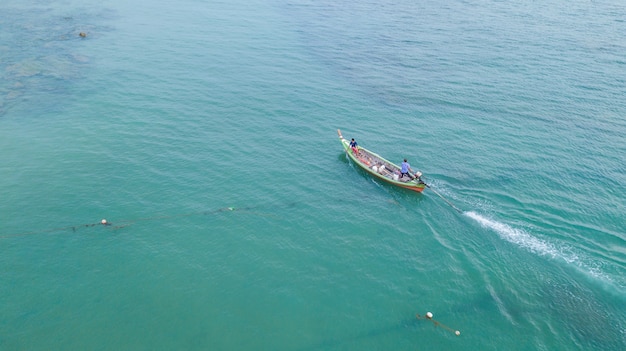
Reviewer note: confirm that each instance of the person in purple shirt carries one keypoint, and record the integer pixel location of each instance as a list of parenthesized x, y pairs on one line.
[(406, 169)]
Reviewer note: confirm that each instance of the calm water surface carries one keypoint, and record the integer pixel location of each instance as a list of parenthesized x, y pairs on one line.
[(204, 132)]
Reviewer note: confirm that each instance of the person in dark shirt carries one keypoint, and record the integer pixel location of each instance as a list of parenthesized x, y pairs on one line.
[(354, 147)]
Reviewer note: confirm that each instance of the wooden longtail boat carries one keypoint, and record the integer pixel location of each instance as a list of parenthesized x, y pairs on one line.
[(381, 168)]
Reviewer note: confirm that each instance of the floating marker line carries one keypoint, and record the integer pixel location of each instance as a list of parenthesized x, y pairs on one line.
[(429, 316), (122, 223)]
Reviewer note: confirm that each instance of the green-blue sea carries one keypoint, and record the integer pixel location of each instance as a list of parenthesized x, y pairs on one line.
[(204, 132)]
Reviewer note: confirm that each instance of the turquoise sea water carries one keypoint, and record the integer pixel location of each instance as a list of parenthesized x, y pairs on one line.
[(205, 133)]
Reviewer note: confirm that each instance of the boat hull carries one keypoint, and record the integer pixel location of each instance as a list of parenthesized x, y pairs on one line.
[(380, 168)]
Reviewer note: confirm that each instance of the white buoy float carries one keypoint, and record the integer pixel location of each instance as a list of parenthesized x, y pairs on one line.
[(429, 316)]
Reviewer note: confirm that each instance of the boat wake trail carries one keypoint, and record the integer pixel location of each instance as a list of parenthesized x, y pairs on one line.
[(517, 236), (520, 237)]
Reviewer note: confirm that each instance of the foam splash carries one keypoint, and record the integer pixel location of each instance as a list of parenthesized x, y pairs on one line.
[(541, 247), (516, 236)]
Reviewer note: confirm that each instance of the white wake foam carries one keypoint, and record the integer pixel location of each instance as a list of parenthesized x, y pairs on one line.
[(516, 236), (541, 247)]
